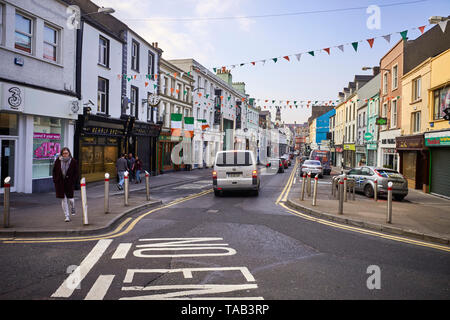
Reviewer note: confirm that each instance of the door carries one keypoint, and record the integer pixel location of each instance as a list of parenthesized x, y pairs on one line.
[(7, 160), (440, 174)]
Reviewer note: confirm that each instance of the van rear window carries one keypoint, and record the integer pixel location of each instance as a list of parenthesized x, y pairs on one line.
[(234, 159)]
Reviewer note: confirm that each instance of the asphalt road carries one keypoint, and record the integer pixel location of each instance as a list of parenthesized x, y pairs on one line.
[(235, 246)]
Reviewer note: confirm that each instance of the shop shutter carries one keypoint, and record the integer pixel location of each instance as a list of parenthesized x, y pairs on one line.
[(440, 171)]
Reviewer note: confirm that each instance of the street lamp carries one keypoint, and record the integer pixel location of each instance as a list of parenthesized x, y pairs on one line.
[(369, 68), (437, 19), (101, 10)]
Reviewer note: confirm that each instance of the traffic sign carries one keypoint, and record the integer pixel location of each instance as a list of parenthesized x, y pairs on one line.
[(368, 136)]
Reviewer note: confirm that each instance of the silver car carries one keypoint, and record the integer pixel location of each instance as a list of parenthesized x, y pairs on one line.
[(365, 177), (313, 166)]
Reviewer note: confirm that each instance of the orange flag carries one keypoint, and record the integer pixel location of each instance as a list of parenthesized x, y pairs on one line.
[(287, 58), (370, 41)]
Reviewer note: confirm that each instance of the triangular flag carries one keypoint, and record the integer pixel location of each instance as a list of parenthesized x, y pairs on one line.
[(443, 25), (146, 84), (298, 55), (311, 53), (403, 34), (175, 75), (355, 45), (253, 62), (387, 38), (370, 41), (422, 28), (327, 50), (275, 60), (341, 47), (263, 62), (287, 58)]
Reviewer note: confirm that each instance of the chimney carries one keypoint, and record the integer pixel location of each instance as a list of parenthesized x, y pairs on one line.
[(376, 70)]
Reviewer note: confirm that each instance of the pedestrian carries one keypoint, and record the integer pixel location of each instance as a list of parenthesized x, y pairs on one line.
[(121, 166), (138, 169), (65, 175), (131, 162)]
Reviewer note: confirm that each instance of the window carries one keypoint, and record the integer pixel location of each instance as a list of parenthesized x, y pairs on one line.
[(416, 87), (364, 119), (188, 95), (179, 91), (394, 114), (102, 95), (151, 64), (441, 102), (1, 24), (394, 77), (385, 83), (150, 110), (135, 55), (415, 122), (134, 106), (24, 33), (103, 51), (199, 82), (166, 85)]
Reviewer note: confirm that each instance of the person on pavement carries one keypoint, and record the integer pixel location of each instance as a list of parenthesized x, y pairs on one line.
[(65, 175), (131, 162), (138, 169), (121, 166)]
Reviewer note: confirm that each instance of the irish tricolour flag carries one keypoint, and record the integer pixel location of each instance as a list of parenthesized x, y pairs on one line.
[(204, 123), (175, 124), (189, 127)]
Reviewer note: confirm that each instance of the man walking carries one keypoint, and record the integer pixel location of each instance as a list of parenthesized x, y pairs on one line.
[(121, 166), (131, 168)]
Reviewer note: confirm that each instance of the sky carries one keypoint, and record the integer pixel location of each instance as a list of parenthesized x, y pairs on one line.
[(223, 42)]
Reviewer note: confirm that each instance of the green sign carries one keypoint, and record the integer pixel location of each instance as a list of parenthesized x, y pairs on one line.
[(381, 121), (368, 136)]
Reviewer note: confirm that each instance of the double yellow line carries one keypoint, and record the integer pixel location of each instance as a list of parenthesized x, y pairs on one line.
[(114, 234), (283, 197)]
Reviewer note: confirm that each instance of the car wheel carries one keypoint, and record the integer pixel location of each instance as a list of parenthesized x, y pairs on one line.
[(368, 191), (399, 197)]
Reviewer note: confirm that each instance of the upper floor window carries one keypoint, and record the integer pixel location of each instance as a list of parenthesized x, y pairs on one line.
[(441, 102), (103, 51), (166, 85), (135, 55), (416, 87), (1, 23), (102, 95), (151, 65), (385, 83), (50, 43), (415, 122), (134, 105), (394, 114), (394, 77), (23, 33)]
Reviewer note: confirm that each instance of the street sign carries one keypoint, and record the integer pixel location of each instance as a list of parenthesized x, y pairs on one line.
[(381, 121), (368, 136)]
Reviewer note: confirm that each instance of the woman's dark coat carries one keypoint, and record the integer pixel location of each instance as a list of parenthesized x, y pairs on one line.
[(65, 185)]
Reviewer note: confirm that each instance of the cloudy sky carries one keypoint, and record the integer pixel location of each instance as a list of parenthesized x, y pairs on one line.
[(191, 29)]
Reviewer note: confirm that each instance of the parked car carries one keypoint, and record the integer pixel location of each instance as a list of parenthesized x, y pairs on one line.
[(288, 159), (324, 156), (303, 159), (235, 170), (313, 166), (275, 165), (285, 162), (365, 176)]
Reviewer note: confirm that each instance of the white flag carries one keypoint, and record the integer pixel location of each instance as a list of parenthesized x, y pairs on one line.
[(181, 75), (341, 47), (387, 38), (298, 55), (263, 62), (443, 25)]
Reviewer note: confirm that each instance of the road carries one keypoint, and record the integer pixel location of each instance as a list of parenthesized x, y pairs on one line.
[(238, 246)]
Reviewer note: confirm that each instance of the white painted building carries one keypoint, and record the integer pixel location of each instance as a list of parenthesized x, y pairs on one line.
[(37, 91)]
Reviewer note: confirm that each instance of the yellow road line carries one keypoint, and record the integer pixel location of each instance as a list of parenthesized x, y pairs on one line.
[(287, 184), (286, 191), (111, 235)]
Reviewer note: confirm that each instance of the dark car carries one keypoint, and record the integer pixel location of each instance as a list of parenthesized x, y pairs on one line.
[(284, 162)]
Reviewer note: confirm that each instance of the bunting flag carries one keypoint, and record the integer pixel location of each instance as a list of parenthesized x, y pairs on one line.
[(355, 45), (387, 38), (298, 55), (341, 47), (422, 28), (443, 25), (287, 58), (175, 124), (370, 41), (311, 53), (146, 84), (327, 50), (403, 34), (189, 127), (275, 60)]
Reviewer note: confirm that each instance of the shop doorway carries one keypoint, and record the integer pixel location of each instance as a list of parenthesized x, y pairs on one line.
[(8, 162)]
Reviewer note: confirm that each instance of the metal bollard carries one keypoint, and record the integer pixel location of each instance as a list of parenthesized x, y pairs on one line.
[(308, 186), (389, 204), (84, 201), (333, 187), (375, 190), (341, 196), (316, 182), (126, 187), (106, 205), (345, 187), (147, 185), (354, 190), (303, 187), (6, 189)]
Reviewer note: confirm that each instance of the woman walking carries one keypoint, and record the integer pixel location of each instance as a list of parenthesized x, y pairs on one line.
[(138, 169), (65, 175)]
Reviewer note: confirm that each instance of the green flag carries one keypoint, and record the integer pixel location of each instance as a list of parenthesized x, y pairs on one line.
[(275, 60), (355, 45), (403, 34), (311, 53), (215, 70)]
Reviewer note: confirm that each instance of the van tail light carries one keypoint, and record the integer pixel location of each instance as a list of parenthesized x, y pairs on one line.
[(267, 165), (281, 164), (254, 174), (214, 174)]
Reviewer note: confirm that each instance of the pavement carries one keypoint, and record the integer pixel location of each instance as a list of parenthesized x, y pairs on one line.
[(420, 215), (40, 214)]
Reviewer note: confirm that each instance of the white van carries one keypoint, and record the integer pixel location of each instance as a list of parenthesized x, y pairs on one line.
[(235, 170)]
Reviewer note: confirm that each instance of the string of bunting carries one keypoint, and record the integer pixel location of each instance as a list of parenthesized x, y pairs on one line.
[(312, 53)]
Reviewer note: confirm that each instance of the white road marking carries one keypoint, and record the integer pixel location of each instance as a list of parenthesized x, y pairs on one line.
[(68, 286), (100, 287), (121, 251)]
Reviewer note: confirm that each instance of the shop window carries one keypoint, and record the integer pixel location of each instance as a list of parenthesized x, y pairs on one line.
[(98, 156), (8, 124), (48, 139)]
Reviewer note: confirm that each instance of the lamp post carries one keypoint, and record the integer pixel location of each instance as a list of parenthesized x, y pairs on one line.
[(437, 19)]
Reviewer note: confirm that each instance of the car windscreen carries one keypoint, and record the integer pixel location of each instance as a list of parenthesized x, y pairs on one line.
[(234, 159), (312, 163)]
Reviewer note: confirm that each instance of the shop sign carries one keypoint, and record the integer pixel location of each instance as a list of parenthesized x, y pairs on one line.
[(368, 136), (349, 147), (410, 143), (339, 149), (13, 98), (437, 141), (46, 149), (389, 150), (360, 149), (371, 146), (170, 138), (103, 131), (381, 121)]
